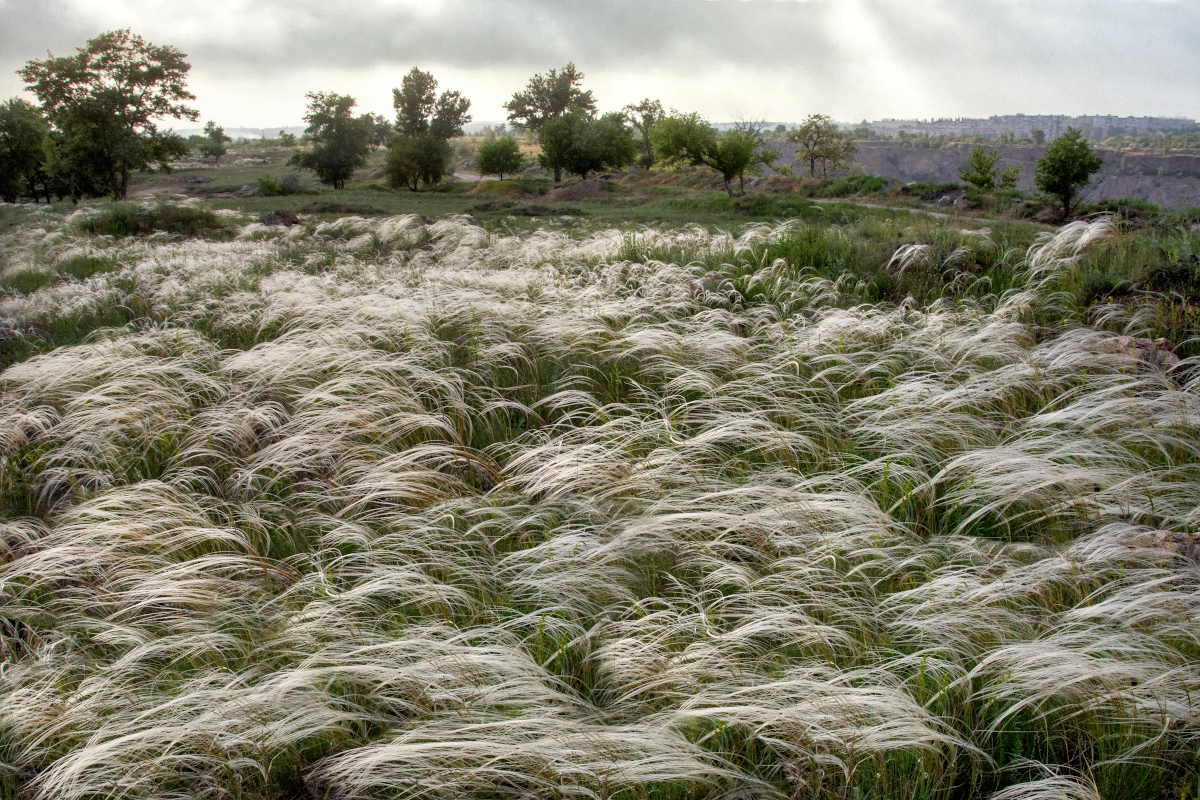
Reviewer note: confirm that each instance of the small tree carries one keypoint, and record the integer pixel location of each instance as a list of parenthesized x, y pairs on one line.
[(1011, 177), (213, 141), (112, 91), (690, 139), (1038, 135), (339, 140), (644, 116), (381, 129), (820, 142), (286, 139), (1066, 168), (22, 130), (498, 157), (982, 170)]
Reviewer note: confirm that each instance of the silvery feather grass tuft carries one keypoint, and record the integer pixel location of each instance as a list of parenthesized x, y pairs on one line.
[(387, 509)]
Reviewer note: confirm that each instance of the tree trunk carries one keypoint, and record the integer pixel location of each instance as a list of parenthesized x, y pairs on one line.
[(124, 178), (728, 187), (741, 184), (557, 175)]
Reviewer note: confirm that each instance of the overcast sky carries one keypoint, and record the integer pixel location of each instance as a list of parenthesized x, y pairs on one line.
[(253, 60)]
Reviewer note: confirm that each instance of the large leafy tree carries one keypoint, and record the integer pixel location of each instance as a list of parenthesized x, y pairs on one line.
[(644, 116), (690, 139), (420, 110), (1066, 168), (548, 97), (114, 90), (22, 131), (425, 123), (340, 140), (581, 144), (821, 143)]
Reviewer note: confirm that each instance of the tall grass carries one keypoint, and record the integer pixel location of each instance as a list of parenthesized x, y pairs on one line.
[(393, 509)]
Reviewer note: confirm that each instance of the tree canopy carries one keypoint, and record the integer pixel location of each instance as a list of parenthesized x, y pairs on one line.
[(548, 96), (419, 109), (113, 90), (983, 171), (690, 139), (1067, 167), (22, 129), (821, 143), (213, 141), (498, 157), (643, 117), (340, 140), (581, 144)]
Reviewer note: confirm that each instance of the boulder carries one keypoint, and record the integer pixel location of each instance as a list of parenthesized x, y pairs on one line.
[(945, 200), (1183, 544), (1158, 352), (282, 216), (711, 283), (962, 204)]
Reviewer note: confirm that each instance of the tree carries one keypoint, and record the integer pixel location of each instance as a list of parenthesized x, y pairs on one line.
[(644, 116), (22, 130), (420, 110), (548, 97), (1039, 136), (981, 171), (286, 139), (339, 140), (416, 158), (425, 123), (1067, 167), (114, 89), (213, 141), (381, 129), (1010, 177), (498, 157), (581, 144), (690, 139), (822, 143)]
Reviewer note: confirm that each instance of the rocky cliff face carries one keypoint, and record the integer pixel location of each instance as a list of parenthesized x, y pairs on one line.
[(1170, 181)]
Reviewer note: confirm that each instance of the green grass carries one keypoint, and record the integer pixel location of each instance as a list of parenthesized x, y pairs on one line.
[(843, 503)]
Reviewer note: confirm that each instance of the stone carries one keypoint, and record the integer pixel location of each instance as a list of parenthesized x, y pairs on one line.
[(1158, 352), (945, 200), (711, 283), (1183, 544), (282, 216), (962, 204)]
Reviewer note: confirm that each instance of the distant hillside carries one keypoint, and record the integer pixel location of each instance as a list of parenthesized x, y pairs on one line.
[(1169, 181)]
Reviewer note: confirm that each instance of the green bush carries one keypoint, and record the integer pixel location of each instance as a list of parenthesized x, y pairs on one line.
[(275, 187), (130, 219)]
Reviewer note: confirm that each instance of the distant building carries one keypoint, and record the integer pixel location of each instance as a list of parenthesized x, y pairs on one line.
[(1093, 127)]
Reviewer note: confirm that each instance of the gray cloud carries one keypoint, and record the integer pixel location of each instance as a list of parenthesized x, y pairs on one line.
[(781, 60)]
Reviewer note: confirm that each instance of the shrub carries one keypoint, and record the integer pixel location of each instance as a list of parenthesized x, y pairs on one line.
[(129, 219), (272, 187)]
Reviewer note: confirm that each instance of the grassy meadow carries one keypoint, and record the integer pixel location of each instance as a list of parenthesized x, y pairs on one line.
[(650, 496)]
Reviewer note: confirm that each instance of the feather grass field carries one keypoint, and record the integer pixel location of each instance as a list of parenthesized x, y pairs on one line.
[(385, 508)]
